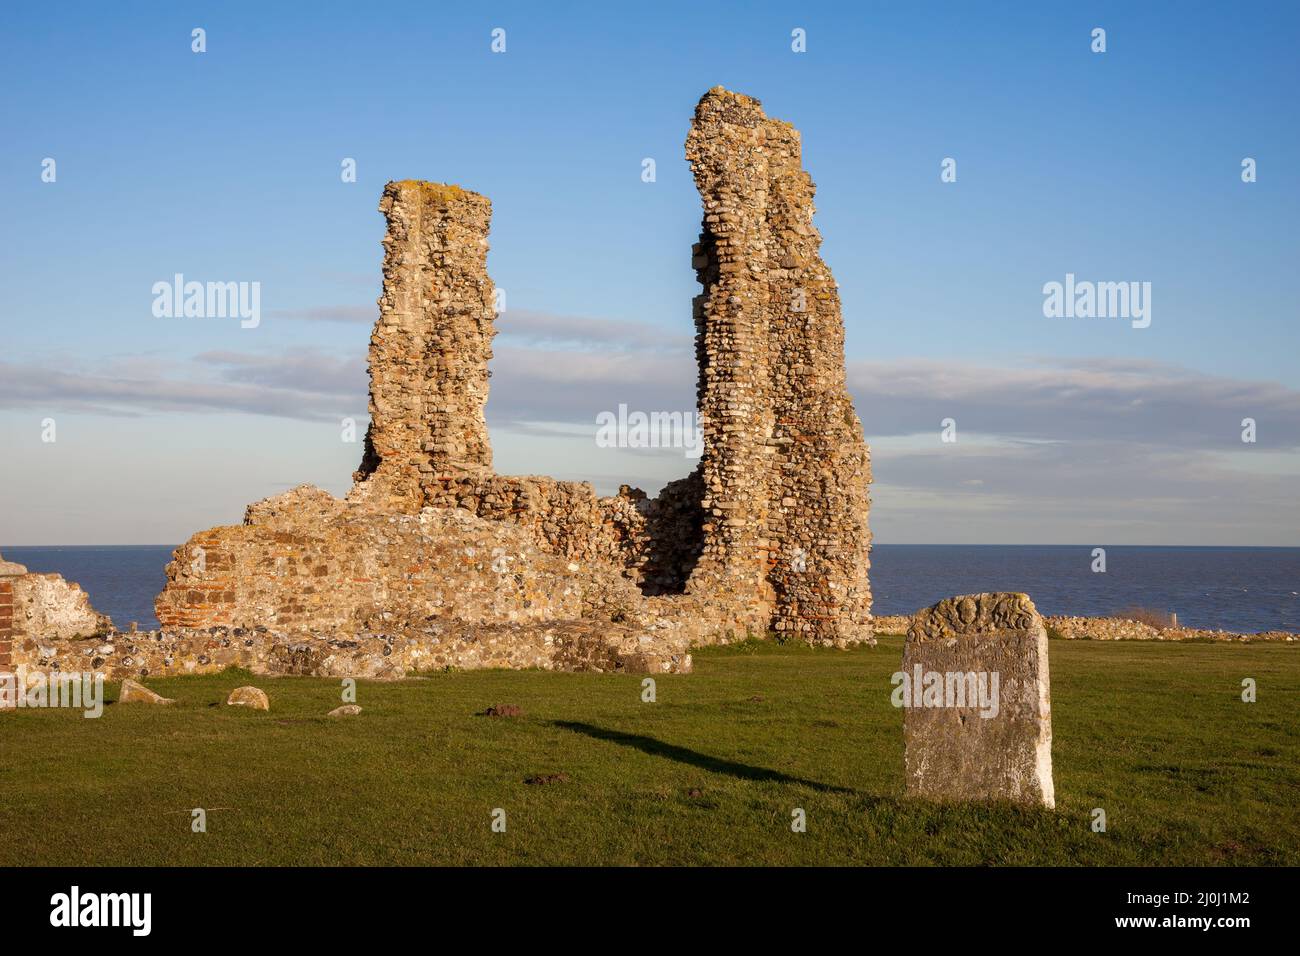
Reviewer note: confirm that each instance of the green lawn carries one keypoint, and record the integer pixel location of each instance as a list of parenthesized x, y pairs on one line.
[(1156, 734)]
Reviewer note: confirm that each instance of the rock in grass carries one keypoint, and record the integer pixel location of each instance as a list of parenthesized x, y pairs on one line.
[(249, 697), (136, 693), (347, 710)]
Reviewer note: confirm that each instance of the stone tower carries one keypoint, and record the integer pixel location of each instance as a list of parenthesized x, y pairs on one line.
[(785, 468), (430, 348)]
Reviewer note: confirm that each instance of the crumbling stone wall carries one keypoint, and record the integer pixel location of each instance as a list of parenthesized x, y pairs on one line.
[(430, 348), (451, 588), (427, 444), (307, 561), (769, 532), (383, 655), (6, 623), (37, 610), (45, 606), (785, 467)]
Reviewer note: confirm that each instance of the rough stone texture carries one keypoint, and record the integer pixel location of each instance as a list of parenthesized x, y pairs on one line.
[(954, 753), (471, 569), (47, 606), (1123, 629), (392, 655), (136, 693), (7, 621), (346, 710), (451, 589), (252, 697), (44, 606), (430, 348), (1110, 629), (785, 468)]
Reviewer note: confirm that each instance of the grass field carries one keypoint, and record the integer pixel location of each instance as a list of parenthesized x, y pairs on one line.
[(1155, 734)]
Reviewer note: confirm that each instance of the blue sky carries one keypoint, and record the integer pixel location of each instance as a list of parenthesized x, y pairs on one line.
[(225, 165)]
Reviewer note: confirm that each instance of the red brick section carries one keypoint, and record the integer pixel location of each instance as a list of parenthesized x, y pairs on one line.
[(6, 624)]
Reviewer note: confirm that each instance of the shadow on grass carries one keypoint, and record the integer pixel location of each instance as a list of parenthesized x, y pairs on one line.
[(657, 748)]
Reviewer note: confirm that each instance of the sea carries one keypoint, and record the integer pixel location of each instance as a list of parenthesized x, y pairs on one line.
[(1233, 589)]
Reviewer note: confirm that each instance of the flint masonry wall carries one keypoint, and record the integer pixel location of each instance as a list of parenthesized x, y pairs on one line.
[(428, 444), (6, 623), (39, 610), (306, 561), (430, 348), (785, 467), (776, 515), (769, 532)]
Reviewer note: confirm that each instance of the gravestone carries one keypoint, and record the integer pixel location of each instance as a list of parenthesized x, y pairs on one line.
[(978, 722)]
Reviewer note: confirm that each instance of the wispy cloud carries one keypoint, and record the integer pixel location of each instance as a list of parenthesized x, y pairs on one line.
[(548, 331), (302, 384), (1075, 400), (567, 369)]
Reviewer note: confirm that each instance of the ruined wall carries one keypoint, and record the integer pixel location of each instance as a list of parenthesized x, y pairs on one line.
[(430, 348), (427, 445), (47, 605), (444, 586), (785, 468), (6, 623), (556, 645), (308, 562), (769, 532), (38, 610)]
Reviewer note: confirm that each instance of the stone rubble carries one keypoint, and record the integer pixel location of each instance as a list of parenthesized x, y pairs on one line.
[(1110, 629), (1123, 629)]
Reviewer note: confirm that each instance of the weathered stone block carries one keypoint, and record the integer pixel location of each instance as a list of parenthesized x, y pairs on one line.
[(253, 697), (978, 721), (134, 692)]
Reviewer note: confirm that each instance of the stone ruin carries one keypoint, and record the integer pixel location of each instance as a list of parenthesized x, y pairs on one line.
[(39, 613), (435, 560), (45, 606), (978, 718)]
